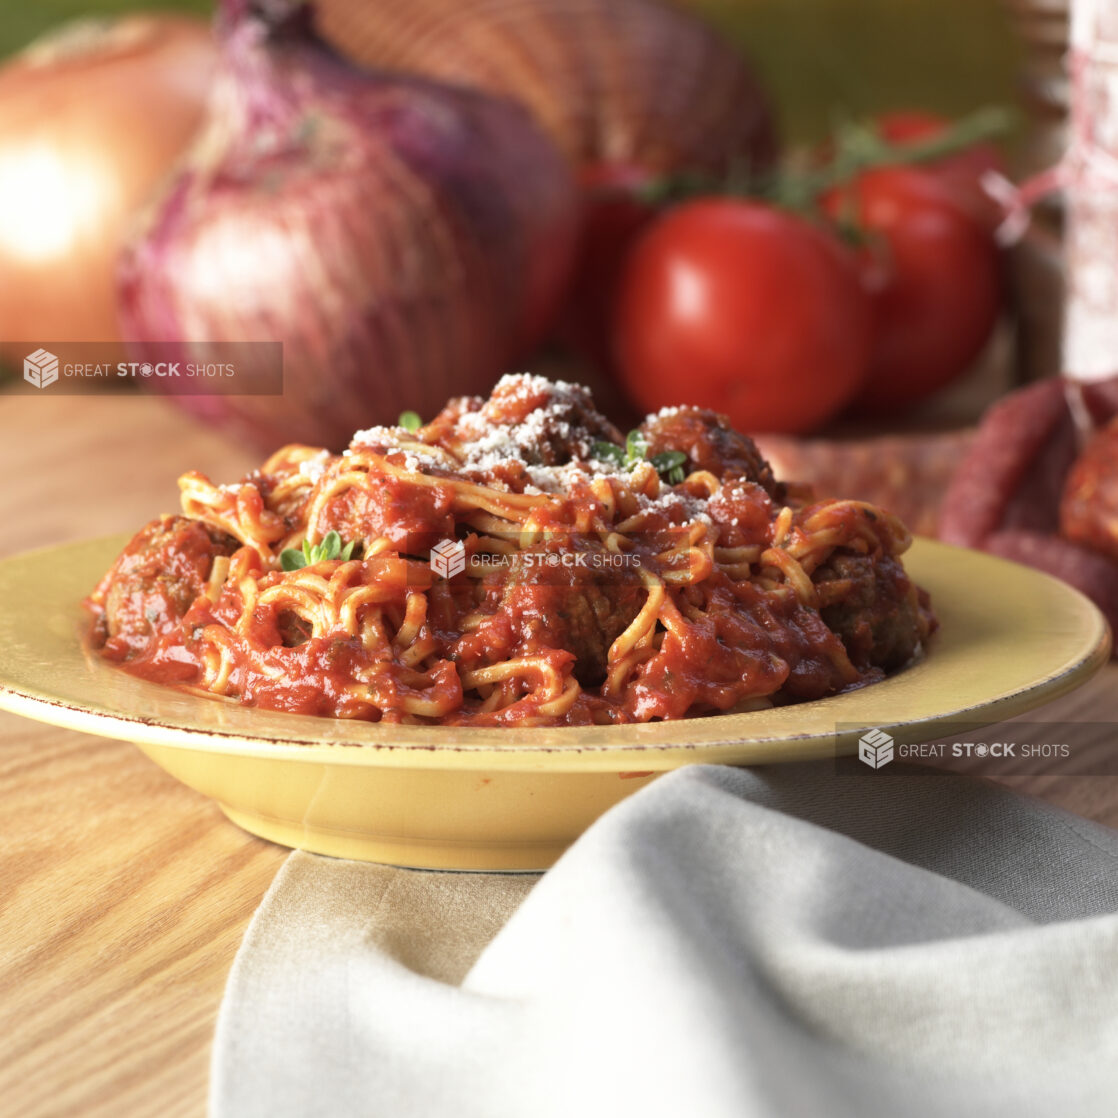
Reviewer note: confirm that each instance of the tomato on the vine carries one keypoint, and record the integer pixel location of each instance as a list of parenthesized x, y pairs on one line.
[(614, 213), (935, 278), (961, 171), (737, 306)]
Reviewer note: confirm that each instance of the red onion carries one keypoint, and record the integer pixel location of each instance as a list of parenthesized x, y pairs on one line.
[(405, 240)]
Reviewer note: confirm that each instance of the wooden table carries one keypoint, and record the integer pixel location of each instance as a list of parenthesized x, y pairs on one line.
[(123, 895)]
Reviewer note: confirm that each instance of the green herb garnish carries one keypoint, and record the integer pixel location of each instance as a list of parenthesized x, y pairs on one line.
[(608, 452), (409, 420), (292, 559), (668, 464), (636, 448)]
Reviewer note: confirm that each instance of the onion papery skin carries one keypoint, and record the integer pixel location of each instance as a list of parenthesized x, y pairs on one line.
[(405, 241), (635, 82), (92, 118)]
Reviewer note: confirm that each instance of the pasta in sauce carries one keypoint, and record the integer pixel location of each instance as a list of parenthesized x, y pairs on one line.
[(514, 562)]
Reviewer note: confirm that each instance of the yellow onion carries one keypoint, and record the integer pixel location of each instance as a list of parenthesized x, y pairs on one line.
[(91, 117), (635, 82), (404, 240)]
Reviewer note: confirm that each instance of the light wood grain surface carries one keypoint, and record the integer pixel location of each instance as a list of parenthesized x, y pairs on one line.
[(123, 896)]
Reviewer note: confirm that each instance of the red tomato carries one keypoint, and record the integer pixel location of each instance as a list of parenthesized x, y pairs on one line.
[(962, 171), (935, 278), (613, 216), (739, 307)]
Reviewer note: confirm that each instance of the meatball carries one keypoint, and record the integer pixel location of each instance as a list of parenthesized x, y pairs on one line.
[(155, 580), (534, 420), (710, 443), (582, 607), (1089, 508), (878, 614)]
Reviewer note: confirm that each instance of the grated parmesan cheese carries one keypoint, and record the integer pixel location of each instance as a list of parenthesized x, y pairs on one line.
[(546, 446), (314, 467), (377, 436), (545, 431)]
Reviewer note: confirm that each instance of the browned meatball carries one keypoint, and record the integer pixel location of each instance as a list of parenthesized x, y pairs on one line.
[(1089, 508), (710, 443), (582, 607), (878, 614), (536, 421), (156, 579)]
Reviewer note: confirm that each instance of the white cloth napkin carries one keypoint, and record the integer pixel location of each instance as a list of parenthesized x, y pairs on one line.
[(780, 941)]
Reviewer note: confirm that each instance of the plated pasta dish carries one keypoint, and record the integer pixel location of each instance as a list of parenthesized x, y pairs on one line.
[(515, 561)]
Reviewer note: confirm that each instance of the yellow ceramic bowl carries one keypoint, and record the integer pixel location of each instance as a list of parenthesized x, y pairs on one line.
[(456, 798)]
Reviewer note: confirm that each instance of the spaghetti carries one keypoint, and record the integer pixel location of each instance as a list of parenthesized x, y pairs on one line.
[(513, 563)]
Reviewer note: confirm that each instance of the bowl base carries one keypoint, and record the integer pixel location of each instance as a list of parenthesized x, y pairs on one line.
[(408, 853)]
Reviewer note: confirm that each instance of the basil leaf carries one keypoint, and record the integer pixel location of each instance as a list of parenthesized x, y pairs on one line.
[(636, 447), (608, 452), (668, 460), (291, 559), (410, 421), (331, 546)]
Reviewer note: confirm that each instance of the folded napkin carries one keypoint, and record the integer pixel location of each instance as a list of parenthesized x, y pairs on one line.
[(783, 941)]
